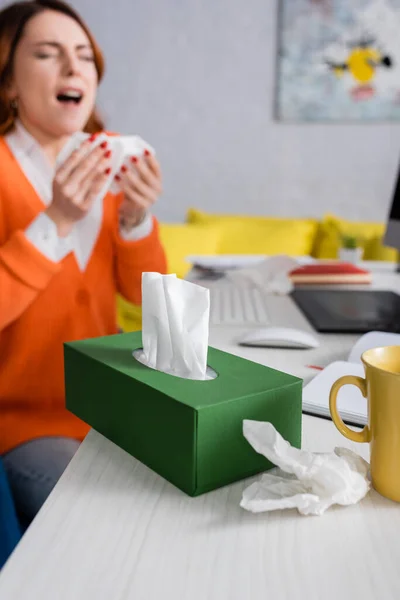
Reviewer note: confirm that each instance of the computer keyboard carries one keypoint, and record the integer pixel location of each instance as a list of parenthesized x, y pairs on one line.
[(234, 305)]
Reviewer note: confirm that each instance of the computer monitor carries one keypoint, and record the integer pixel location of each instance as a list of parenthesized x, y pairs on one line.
[(392, 235)]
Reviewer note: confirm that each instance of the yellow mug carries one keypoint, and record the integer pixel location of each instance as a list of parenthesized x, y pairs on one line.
[(381, 387)]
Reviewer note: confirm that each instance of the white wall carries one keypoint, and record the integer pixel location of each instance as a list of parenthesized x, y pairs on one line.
[(196, 79)]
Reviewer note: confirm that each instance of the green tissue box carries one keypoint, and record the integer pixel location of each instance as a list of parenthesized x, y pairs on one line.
[(190, 432)]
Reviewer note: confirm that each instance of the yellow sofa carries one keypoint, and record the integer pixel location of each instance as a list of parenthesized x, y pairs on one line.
[(208, 233)]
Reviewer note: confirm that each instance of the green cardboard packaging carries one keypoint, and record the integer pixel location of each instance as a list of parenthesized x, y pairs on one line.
[(189, 432)]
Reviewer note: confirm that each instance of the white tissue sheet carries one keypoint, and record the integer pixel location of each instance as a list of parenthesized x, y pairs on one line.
[(175, 322), (122, 147), (310, 482), (271, 275)]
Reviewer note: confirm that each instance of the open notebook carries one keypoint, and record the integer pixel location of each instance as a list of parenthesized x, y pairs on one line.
[(351, 404)]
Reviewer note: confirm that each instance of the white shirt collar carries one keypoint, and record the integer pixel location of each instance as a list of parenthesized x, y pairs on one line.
[(24, 139), (40, 173), (32, 161)]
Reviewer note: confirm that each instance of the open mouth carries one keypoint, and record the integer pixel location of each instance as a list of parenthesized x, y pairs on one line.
[(70, 97)]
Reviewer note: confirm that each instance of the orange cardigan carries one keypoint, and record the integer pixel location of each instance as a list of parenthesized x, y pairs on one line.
[(43, 304)]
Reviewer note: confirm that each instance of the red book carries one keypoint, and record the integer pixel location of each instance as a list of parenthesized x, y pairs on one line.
[(330, 273)]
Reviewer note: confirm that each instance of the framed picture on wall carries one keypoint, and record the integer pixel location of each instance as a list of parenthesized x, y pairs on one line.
[(338, 60)]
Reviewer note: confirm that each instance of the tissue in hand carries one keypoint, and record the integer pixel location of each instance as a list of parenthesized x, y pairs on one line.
[(175, 320), (122, 148), (308, 481)]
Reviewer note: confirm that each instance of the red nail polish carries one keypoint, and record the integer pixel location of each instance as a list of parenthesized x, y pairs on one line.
[(124, 169), (117, 178), (92, 138), (107, 154), (103, 145), (134, 159), (146, 153), (107, 171)]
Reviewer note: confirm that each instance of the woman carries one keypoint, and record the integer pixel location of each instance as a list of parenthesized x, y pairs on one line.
[(63, 253)]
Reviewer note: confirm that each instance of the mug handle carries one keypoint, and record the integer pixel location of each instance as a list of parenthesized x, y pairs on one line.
[(355, 436)]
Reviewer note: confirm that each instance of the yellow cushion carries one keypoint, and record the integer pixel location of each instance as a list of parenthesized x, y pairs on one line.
[(377, 251), (129, 316), (241, 234), (369, 235), (181, 239)]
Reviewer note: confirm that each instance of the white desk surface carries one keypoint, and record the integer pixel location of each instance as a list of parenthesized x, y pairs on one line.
[(114, 530)]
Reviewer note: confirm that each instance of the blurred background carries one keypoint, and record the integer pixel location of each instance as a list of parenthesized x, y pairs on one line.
[(197, 80)]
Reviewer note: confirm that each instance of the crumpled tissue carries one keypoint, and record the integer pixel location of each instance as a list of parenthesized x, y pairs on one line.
[(310, 482), (175, 326), (270, 275)]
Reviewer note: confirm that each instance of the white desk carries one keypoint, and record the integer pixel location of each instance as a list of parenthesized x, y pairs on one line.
[(114, 530), (332, 347)]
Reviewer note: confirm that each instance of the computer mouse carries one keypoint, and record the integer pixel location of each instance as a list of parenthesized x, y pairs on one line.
[(279, 337)]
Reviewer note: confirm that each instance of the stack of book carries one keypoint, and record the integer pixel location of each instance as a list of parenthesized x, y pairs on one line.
[(330, 273)]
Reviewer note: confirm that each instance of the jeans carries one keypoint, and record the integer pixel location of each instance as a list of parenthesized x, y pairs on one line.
[(33, 469)]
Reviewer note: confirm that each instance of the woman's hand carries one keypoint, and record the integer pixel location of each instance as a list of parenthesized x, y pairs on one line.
[(141, 185), (76, 184)]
